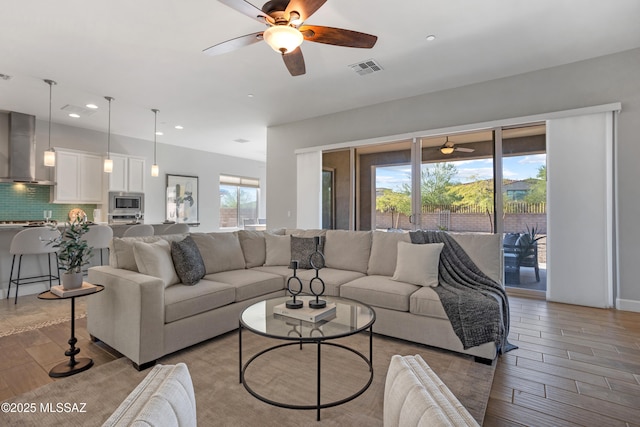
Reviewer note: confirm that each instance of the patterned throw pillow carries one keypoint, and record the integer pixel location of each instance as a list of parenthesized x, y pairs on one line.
[(187, 261), (302, 248)]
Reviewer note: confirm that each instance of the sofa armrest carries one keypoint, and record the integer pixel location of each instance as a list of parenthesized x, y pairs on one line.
[(129, 314), (164, 397), (415, 396)]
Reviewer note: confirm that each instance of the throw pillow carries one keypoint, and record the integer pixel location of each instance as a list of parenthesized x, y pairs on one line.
[(302, 248), (278, 249), (154, 259), (418, 264), (187, 261), (220, 251)]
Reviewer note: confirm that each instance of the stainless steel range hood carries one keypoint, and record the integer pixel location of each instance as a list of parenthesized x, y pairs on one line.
[(22, 150)]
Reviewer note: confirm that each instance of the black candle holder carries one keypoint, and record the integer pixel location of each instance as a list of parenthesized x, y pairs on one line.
[(317, 261), (294, 303)]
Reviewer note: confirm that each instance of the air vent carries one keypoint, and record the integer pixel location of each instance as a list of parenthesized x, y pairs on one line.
[(81, 111), (366, 67), (241, 141)]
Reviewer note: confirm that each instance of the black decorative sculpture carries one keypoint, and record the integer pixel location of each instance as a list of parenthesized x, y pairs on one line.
[(317, 261), (294, 303)]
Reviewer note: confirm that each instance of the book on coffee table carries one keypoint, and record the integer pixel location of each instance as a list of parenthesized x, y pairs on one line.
[(86, 288), (306, 313)]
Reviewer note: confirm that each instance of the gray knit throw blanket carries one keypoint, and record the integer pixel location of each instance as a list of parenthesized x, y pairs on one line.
[(477, 306)]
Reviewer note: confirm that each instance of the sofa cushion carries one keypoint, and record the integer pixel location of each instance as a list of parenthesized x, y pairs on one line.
[(278, 249), (280, 270), (331, 277), (384, 252), (418, 264), (426, 302), (253, 247), (121, 249), (484, 251), (302, 248), (187, 261), (348, 250), (164, 397), (249, 283), (312, 232), (154, 259), (182, 301), (220, 251), (380, 291)]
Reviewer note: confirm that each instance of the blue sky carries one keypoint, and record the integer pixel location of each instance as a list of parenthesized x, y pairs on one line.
[(517, 168)]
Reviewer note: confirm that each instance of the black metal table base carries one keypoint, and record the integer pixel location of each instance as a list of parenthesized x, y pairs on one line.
[(66, 369), (318, 406)]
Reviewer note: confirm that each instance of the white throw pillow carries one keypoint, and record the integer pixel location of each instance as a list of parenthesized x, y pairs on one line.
[(418, 264), (154, 259), (278, 249)]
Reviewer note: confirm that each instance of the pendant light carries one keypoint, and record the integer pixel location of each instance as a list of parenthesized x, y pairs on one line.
[(154, 167), (50, 154), (108, 163)]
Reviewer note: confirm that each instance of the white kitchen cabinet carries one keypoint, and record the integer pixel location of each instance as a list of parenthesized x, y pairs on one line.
[(127, 175), (78, 177)]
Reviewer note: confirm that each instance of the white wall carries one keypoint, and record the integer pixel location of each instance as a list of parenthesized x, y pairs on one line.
[(597, 81), (171, 159)]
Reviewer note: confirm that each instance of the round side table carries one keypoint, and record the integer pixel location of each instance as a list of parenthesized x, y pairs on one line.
[(73, 366)]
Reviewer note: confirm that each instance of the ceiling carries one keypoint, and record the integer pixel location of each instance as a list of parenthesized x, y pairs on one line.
[(148, 54)]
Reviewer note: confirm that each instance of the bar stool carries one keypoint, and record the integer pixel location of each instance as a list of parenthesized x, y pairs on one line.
[(98, 237), (33, 241), (139, 230)]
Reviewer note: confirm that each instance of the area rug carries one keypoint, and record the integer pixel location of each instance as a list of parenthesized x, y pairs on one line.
[(7, 330), (288, 374)]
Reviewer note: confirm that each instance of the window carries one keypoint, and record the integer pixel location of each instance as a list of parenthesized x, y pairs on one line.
[(238, 201)]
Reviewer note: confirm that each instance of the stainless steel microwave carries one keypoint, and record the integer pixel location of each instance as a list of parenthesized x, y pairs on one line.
[(125, 203)]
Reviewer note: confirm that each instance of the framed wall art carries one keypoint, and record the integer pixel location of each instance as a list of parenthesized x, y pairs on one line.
[(182, 199)]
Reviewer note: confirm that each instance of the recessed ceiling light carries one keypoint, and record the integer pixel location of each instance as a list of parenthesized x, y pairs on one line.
[(241, 140), (179, 127), (92, 106), (74, 115), (250, 95), (431, 37), (159, 133)]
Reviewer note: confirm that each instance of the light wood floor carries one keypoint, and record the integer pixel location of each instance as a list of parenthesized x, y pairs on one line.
[(575, 365)]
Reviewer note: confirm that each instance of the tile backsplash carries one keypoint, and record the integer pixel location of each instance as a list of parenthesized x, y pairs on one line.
[(26, 202)]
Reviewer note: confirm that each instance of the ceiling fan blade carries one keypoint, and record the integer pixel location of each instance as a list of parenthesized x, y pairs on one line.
[(233, 44), (337, 36), (295, 62), (465, 150), (305, 8), (248, 9)]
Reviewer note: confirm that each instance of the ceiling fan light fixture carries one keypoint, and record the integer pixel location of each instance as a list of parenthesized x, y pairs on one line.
[(445, 149), (283, 38)]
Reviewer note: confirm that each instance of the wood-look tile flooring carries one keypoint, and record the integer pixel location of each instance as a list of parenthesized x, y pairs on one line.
[(27, 354), (576, 366)]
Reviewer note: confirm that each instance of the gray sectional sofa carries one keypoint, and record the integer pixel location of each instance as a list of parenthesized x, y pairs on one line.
[(146, 312)]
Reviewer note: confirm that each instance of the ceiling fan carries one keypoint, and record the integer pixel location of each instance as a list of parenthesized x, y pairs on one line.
[(448, 147), (285, 32)]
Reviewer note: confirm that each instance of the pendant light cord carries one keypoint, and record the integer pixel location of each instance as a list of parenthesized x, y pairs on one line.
[(50, 83), (109, 98), (155, 134)]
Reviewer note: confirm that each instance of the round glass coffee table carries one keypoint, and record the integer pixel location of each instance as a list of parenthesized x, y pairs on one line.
[(351, 317)]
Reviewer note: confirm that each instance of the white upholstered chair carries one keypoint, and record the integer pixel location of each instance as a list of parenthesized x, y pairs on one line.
[(139, 230), (98, 237), (177, 228), (32, 241)]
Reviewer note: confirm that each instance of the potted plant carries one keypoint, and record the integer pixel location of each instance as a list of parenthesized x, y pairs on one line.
[(528, 241), (73, 252)]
